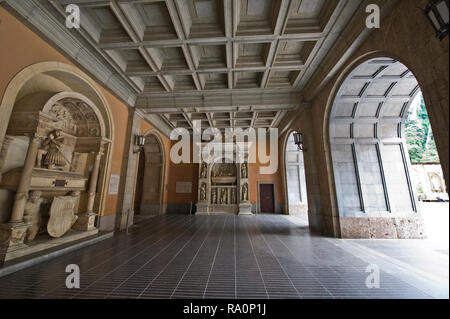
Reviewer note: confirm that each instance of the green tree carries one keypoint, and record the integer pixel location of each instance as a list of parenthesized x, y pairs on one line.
[(419, 137)]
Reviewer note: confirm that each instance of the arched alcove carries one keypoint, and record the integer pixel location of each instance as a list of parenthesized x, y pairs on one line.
[(56, 133), (154, 175)]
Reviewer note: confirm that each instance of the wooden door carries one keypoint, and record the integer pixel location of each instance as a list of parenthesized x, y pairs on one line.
[(267, 198)]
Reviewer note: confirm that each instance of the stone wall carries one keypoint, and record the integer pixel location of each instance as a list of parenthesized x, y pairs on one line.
[(405, 35)]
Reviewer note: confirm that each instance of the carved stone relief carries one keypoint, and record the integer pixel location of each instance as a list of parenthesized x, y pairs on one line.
[(54, 157), (32, 215), (62, 216)]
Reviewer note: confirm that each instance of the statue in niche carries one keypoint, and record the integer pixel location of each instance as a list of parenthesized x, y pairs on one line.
[(233, 196), (32, 215), (203, 192), (203, 171), (244, 172), (214, 196), (223, 196), (245, 192), (54, 158)]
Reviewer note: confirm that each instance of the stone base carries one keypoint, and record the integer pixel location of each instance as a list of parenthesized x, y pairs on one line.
[(383, 228), (45, 242), (85, 222), (245, 209), (12, 236), (202, 209)]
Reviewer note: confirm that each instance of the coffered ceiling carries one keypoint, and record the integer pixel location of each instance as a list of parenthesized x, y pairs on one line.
[(228, 63)]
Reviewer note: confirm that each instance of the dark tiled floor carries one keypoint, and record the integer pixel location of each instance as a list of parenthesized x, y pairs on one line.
[(224, 256)]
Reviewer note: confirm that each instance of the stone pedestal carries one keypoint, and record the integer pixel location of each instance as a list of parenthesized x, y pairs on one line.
[(202, 209), (245, 209), (85, 222), (12, 236)]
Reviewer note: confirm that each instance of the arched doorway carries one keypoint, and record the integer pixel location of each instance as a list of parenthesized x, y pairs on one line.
[(151, 202), (370, 161), (139, 183), (295, 180)]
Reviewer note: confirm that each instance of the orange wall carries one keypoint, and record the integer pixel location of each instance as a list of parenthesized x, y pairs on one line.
[(20, 48), (189, 172)]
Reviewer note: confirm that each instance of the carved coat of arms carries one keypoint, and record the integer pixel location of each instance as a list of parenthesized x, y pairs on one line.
[(62, 216)]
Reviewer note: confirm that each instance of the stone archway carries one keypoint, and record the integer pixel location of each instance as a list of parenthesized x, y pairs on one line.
[(294, 179), (152, 194), (368, 154)]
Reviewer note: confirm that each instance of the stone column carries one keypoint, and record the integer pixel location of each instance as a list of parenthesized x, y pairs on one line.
[(125, 200), (87, 221), (12, 234), (245, 207), (93, 183), (25, 180), (4, 151)]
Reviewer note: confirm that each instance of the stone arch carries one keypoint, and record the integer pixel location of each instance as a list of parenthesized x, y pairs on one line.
[(288, 138), (62, 80), (366, 150), (155, 163)]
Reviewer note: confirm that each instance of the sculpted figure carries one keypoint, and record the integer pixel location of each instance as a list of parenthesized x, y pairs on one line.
[(214, 196), (203, 192), (233, 196), (32, 215), (203, 172), (244, 170), (223, 196), (54, 157), (245, 192)]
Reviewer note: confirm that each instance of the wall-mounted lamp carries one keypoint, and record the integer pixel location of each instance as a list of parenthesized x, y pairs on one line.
[(437, 12), (298, 140), (139, 142)]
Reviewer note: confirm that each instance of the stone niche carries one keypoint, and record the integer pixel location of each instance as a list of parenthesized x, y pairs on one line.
[(50, 162), (223, 186)]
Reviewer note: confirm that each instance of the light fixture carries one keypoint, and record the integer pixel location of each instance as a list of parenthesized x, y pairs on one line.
[(139, 142), (298, 140), (437, 12)]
